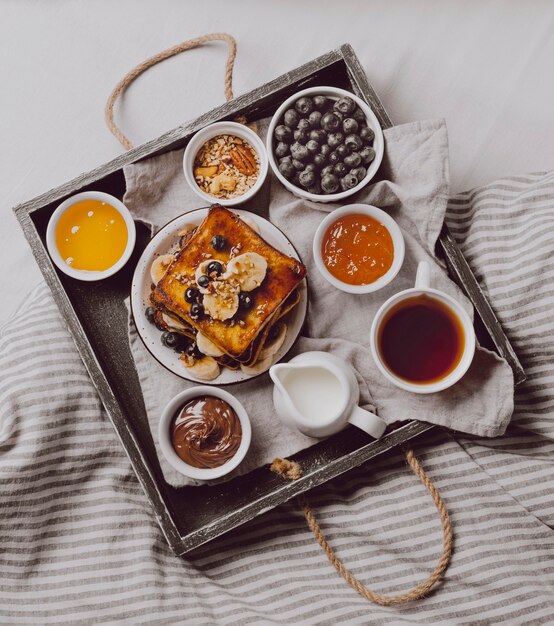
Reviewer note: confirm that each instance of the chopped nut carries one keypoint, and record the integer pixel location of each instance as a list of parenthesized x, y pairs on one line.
[(210, 170)]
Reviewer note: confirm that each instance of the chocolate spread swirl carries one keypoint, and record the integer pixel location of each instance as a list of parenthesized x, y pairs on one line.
[(206, 432)]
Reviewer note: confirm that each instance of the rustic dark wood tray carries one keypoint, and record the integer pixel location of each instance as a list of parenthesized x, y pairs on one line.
[(97, 318)]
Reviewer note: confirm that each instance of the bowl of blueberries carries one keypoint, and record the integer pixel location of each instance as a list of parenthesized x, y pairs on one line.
[(324, 144)]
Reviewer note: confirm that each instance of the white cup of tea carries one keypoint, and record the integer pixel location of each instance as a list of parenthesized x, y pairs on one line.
[(317, 393), (422, 340)]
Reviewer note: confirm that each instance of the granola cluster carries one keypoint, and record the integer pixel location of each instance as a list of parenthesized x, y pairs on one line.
[(226, 167)]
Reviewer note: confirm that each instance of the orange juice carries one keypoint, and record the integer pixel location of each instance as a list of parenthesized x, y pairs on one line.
[(91, 235)]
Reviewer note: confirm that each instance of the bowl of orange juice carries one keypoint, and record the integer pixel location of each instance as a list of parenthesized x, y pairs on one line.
[(91, 236)]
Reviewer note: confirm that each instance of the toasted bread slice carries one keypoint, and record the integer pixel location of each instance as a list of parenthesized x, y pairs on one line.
[(233, 336)]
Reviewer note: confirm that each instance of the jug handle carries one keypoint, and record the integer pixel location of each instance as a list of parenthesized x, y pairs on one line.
[(368, 422)]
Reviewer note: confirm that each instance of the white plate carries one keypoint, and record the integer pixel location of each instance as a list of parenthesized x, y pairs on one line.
[(161, 243)]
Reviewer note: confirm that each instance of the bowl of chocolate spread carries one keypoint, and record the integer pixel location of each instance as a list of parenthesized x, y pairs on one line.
[(204, 432)]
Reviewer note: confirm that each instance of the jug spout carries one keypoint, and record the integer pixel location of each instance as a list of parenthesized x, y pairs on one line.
[(277, 372)]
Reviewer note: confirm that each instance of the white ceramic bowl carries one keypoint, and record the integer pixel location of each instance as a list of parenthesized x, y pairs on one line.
[(332, 93), (88, 275), (175, 460), (388, 223), (211, 131)]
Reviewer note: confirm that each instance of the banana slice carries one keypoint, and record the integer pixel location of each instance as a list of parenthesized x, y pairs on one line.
[(205, 368), (201, 270), (184, 235), (248, 268), (186, 228), (223, 302), (171, 323), (159, 267), (274, 346), (251, 223), (261, 366), (206, 346)]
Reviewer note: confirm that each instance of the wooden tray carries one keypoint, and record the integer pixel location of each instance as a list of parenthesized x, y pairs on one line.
[(97, 318)]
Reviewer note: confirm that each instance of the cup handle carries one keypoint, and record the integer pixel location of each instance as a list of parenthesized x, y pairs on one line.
[(423, 276), (368, 422)]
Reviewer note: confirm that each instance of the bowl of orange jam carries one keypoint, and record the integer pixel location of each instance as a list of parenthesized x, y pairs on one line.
[(91, 236), (358, 248)]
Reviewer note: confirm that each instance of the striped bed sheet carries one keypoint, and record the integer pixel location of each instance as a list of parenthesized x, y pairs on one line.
[(79, 543)]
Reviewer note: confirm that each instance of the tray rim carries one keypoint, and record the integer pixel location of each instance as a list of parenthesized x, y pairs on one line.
[(141, 466)]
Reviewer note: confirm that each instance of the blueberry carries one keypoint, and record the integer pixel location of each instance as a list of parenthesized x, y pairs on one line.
[(333, 158), (335, 139), (349, 125), (306, 178), (321, 102), (301, 136), (348, 182), (245, 301), (299, 152), (149, 314), (345, 105), (310, 167), (320, 160), (283, 133), (203, 281), (358, 115), (315, 118), (214, 267), (304, 105), (353, 160), (367, 154), (366, 134), (315, 189), (312, 147), (359, 173), (318, 135), (325, 150), (303, 124), (218, 242), (329, 183), (298, 165), (353, 142), (192, 295), (282, 149), (330, 122), (340, 170), (342, 151), (291, 118), (196, 310), (171, 340), (328, 169), (287, 169)]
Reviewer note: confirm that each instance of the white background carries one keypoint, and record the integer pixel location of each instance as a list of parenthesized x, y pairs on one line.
[(485, 66)]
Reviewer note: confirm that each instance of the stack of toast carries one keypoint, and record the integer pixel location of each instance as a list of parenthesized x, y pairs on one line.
[(232, 310)]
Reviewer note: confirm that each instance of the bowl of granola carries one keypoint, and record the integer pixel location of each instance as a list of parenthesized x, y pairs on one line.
[(225, 162)]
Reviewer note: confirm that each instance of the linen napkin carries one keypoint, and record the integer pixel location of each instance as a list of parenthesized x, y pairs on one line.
[(414, 190)]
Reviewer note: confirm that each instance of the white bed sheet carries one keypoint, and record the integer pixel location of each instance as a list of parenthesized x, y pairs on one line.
[(484, 66)]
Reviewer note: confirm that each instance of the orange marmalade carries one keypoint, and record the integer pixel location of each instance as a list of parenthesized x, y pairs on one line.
[(91, 235), (357, 249)]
